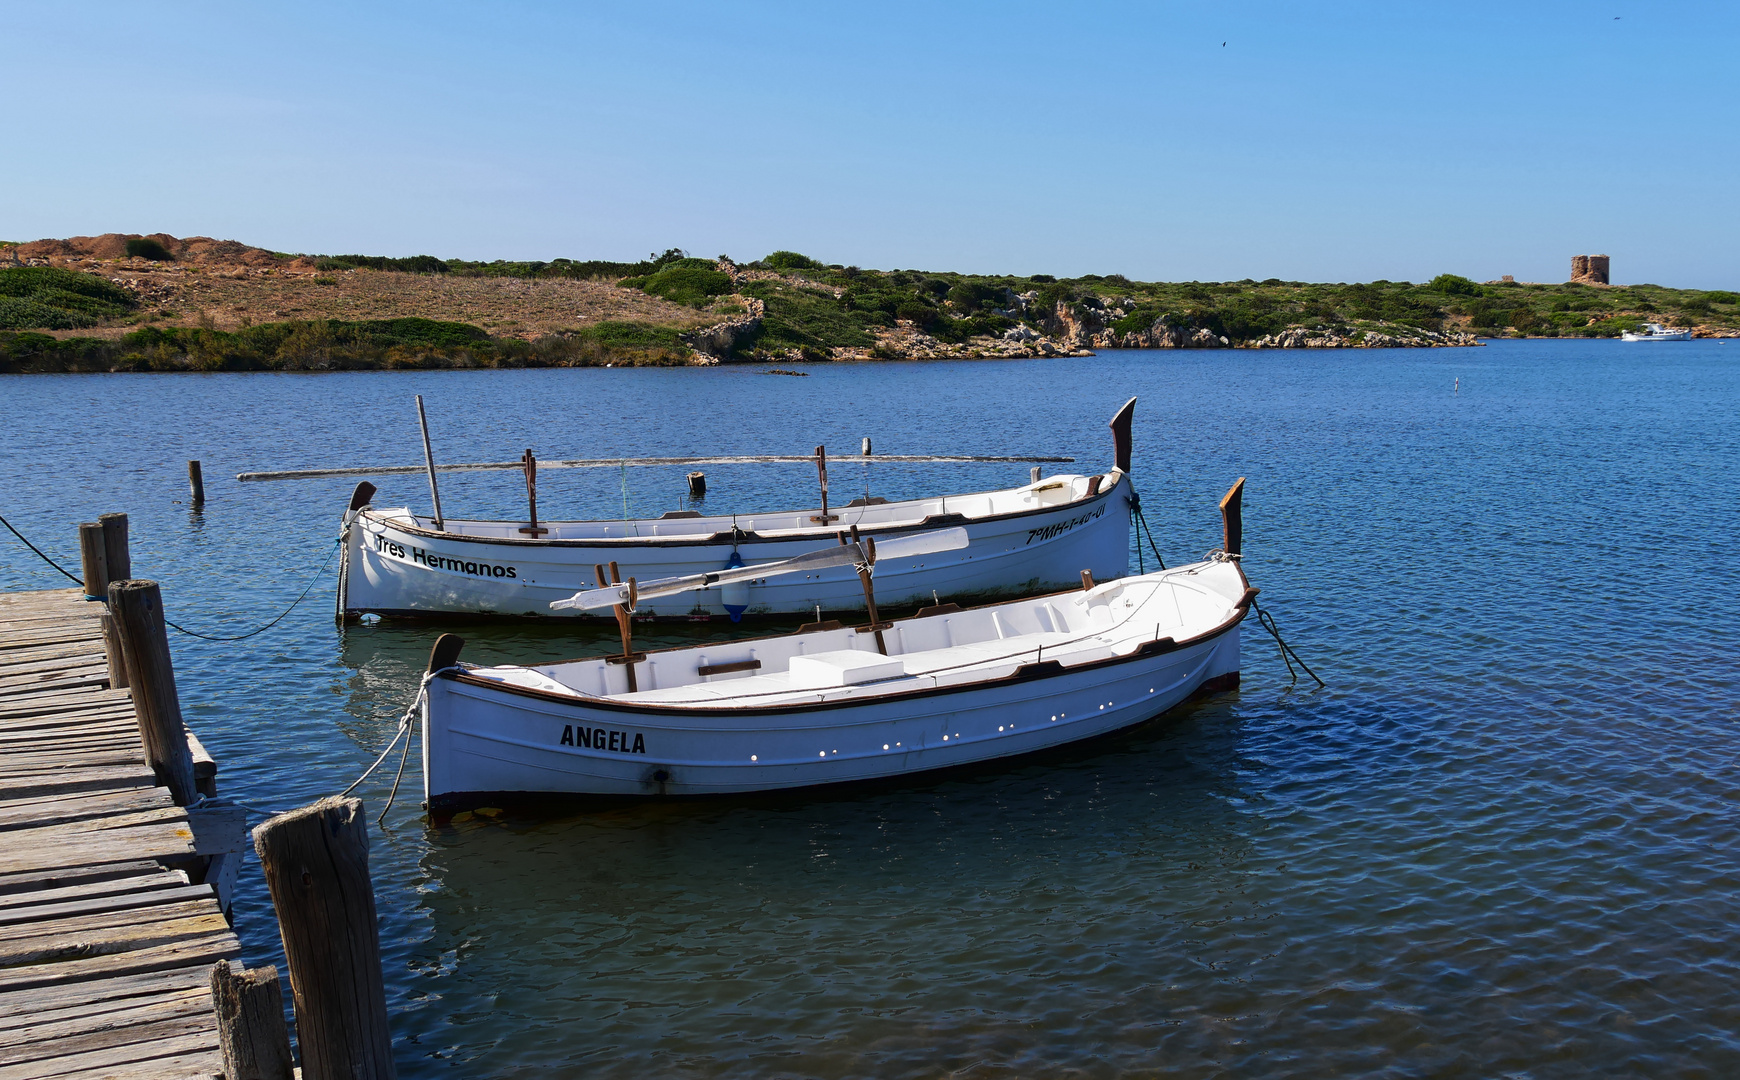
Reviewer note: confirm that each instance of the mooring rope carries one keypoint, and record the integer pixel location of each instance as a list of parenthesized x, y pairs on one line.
[(178, 626), (38, 550), (1268, 623), (404, 726), (1136, 505), (274, 622)]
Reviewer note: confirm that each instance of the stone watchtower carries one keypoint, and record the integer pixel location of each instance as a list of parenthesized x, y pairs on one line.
[(1589, 269)]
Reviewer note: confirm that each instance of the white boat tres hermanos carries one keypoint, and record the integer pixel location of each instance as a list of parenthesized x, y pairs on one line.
[(1023, 540), (942, 689)]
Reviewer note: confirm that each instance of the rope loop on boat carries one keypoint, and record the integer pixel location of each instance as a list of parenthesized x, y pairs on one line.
[(404, 725), (1268, 623)]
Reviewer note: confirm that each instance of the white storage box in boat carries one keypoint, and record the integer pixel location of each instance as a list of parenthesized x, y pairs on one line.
[(844, 667)]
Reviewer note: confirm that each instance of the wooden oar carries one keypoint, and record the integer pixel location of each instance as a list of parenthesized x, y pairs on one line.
[(848, 554), (613, 463)]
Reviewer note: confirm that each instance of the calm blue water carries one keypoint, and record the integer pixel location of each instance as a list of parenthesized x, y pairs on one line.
[(1502, 842)]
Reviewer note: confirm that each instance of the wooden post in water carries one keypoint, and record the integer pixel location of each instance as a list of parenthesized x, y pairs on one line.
[(93, 552), (119, 558), (196, 484), (95, 560), (316, 862), (137, 608), (250, 1016), (697, 486)]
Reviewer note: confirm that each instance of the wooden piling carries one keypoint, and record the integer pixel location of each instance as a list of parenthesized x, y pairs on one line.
[(113, 653), (697, 486), (316, 862), (95, 559), (251, 1031), (137, 608), (115, 550), (196, 484)]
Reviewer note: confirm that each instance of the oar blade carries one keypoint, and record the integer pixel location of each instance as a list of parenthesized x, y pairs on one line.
[(925, 543)]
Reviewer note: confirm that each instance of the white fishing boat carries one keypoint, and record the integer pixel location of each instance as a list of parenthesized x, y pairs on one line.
[(1656, 332), (945, 688), (1023, 540)]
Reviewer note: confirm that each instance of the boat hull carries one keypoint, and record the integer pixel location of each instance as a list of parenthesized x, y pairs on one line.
[(393, 569), (482, 744)]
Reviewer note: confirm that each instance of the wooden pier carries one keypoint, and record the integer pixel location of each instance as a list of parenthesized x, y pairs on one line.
[(112, 897)]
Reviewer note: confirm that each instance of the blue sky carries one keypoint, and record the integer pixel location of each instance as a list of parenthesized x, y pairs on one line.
[(1320, 142)]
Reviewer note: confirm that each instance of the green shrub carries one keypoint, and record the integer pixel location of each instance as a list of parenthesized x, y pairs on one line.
[(623, 334), (687, 281), (48, 298), (1454, 285), (784, 261), (415, 264), (1721, 297), (146, 248)]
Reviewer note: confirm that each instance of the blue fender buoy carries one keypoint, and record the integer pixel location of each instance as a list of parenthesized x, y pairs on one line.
[(735, 596)]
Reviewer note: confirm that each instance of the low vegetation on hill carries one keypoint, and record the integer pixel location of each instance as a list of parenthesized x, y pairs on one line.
[(330, 345), (157, 303), (47, 298)]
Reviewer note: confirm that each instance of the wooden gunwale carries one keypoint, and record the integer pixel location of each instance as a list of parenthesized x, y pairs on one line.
[(1240, 609), (741, 536)]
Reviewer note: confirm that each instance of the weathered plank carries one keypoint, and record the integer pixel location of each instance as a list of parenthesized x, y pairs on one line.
[(201, 951), (58, 809), (105, 778), (41, 1025), (62, 877), (117, 987), (130, 901), (167, 1058)]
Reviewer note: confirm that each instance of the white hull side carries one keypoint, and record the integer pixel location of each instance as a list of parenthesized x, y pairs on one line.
[(388, 569), (478, 741)]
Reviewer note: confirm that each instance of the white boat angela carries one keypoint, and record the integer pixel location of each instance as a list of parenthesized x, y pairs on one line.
[(1657, 332), (939, 690), (1023, 540)]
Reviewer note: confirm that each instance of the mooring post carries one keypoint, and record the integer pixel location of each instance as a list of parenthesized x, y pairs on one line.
[(95, 559), (137, 609), (316, 862), (196, 483), (697, 486), (251, 1031), (119, 558), (112, 651)]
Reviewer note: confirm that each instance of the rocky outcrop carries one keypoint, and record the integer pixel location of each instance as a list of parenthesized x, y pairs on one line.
[(1404, 338), (198, 250), (712, 344), (1162, 335)]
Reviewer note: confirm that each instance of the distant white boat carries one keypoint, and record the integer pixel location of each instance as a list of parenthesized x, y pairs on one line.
[(1657, 332), (831, 706)]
